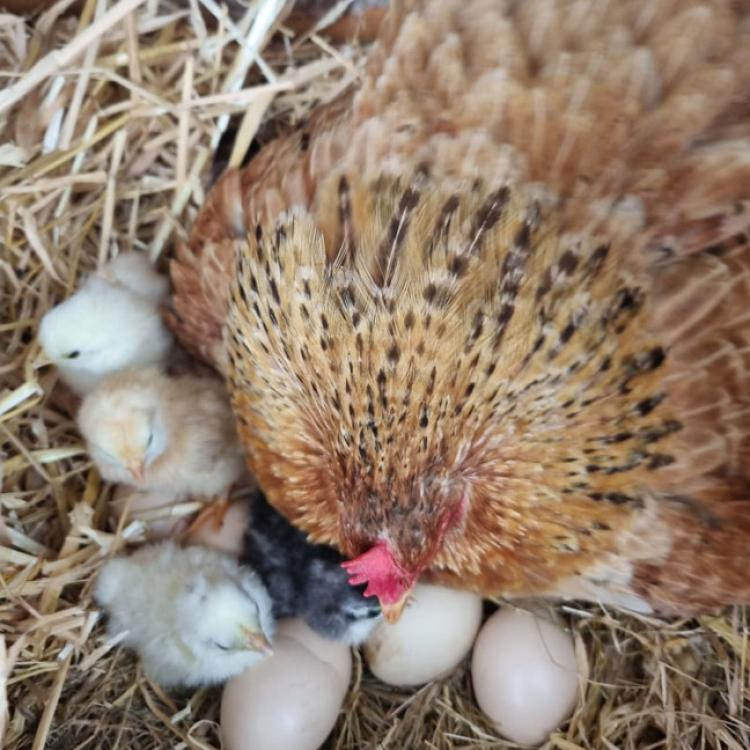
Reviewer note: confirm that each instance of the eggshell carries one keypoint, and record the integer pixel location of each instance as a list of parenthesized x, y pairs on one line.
[(433, 634), (144, 506), (228, 537), (335, 653), (524, 674), (289, 701)]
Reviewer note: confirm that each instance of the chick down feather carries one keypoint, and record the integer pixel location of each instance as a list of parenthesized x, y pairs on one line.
[(193, 615)]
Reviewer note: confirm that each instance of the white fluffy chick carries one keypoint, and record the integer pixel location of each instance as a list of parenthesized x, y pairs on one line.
[(135, 272), (193, 615), (111, 323), (159, 433)]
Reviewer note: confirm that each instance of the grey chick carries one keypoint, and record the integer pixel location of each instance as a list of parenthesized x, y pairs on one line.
[(306, 580), (193, 615)]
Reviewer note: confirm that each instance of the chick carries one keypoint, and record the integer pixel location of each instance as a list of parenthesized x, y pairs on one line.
[(306, 580), (111, 323), (135, 272), (158, 433), (193, 615)]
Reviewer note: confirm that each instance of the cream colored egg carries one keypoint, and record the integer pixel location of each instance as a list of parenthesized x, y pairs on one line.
[(335, 653), (524, 674), (228, 537), (435, 631), (289, 701), (156, 510)]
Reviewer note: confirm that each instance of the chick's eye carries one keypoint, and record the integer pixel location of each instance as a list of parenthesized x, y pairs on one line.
[(150, 439), (73, 355), (220, 646)]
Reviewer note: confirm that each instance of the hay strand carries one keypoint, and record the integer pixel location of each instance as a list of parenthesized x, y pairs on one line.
[(57, 59), (108, 126)]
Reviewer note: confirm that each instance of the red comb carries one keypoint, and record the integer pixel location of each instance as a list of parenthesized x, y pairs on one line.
[(381, 573)]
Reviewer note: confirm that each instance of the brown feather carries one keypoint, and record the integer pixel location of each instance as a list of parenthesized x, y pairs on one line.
[(510, 270)]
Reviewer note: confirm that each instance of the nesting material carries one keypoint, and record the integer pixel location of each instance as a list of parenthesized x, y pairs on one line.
[(106, 147), (162, 514)]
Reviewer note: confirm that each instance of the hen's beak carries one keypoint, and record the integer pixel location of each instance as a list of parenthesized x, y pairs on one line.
[(392, 611), (257, 641), (137, 469)]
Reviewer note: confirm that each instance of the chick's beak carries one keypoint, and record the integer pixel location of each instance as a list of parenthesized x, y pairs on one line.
[(256, 641), (137, 469), (393, 610), (41, 359)]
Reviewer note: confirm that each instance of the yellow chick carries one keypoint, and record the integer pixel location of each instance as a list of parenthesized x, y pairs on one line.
[(193, 615), (158, 433), (111, 323)]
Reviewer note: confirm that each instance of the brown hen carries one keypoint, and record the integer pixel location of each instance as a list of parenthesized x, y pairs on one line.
[(487, 317)]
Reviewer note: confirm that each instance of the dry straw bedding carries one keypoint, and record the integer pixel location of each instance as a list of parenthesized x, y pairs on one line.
[(109, 117)]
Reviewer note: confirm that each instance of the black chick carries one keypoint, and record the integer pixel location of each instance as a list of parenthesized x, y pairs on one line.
[(306, 580)]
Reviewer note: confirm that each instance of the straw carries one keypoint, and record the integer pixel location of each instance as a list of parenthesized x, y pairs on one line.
[(131, 99)]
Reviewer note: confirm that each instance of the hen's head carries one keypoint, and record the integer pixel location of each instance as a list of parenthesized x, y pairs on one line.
[(398, 544)]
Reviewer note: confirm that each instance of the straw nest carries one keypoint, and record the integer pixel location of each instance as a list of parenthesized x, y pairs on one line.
[(108, 122)]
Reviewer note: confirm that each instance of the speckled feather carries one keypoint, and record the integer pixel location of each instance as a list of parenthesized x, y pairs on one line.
[(507, 276)]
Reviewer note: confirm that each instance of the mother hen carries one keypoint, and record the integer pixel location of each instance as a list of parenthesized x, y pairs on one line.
[(486, 317)]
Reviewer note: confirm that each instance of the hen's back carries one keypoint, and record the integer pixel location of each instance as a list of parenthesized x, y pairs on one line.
[(593, 101)]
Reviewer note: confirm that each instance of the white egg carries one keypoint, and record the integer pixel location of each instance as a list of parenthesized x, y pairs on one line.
[(229, 536), (525, 675), (289, 701), (335, 653), (153, 509), (435, 631)]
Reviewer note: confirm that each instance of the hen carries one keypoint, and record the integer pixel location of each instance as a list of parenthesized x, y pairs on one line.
[(484, 318)]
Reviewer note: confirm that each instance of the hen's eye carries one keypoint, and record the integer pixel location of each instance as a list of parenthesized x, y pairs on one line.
[(73, 355)]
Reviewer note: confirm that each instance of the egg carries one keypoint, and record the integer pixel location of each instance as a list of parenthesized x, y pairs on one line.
[(525, 675), (432, 636), (153, 509), (228, 537), (335, 653), (291, 699)]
